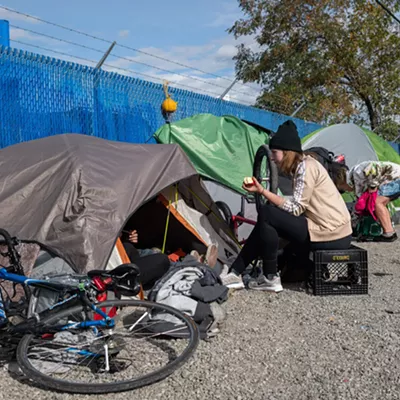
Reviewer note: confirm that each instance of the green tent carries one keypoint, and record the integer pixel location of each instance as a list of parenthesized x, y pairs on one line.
[(221, 148), (357, 144)]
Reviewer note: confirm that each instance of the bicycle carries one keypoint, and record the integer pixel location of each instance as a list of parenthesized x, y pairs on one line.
[(79, 344)]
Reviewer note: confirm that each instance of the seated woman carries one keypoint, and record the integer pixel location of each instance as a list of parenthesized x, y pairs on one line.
[(383, 177), (315, 218)]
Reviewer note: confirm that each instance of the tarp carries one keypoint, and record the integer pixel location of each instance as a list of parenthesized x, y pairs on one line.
[(74, 193), (221, 148)]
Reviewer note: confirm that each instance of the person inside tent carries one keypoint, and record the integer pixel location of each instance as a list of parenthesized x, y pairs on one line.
[(153, 264), (381, 178), (314, 218)]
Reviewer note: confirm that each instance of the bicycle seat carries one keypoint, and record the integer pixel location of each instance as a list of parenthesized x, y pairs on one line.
[(125, 278), (119, 272)]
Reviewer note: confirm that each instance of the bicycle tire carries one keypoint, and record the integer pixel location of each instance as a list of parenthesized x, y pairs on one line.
[(226, 213), (101, 388), (271, 170)]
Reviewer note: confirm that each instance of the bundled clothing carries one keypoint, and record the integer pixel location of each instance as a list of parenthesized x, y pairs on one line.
[(195, 289), (366, 204)]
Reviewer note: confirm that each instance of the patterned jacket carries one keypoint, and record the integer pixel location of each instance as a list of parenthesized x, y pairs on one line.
[(315, 196), (372, 174)]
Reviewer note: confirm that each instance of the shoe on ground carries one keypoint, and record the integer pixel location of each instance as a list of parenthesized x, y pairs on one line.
[(388, 239), (231, 280), (271, 283)]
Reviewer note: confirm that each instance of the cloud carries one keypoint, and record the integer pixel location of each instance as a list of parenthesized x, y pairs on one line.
[(16, 33), (11, 16), (226, 52), (124, 33)]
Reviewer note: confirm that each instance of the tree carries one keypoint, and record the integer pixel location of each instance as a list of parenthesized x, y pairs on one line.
[(340, 57)]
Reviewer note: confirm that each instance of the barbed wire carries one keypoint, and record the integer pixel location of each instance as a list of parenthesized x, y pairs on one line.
[(120, 45), (129, 59), (152, 77), (214, 94), (142, 52), (131, 71)]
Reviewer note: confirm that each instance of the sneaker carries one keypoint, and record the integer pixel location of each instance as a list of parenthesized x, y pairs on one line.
[(211, 255), (231, 280), (271, 283), (388, 239)]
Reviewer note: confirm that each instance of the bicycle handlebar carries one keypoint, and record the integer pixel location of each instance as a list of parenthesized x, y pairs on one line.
[(15, 265)]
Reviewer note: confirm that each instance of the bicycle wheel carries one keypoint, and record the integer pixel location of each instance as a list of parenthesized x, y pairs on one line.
[(226, 213), (109, 360), (266, 172)]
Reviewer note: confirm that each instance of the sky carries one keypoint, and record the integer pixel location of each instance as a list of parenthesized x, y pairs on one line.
[(189, 32)]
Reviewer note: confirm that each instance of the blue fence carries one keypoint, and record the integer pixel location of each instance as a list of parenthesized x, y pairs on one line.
[(42, 96), (396, 146)]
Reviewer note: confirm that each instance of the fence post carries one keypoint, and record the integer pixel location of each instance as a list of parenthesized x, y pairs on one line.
[(4, 33)]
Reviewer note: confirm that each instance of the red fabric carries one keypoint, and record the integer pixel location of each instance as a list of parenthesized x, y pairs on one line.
[(174, 257), (366, 204)]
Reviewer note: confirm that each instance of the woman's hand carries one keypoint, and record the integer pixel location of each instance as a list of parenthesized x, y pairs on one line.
[(133, 237), (255, 187)]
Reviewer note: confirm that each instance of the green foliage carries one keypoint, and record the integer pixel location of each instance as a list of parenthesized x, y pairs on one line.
[(388, 129), (341, 57)]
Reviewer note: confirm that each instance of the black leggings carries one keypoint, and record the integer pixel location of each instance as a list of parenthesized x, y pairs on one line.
[(274, 223), (152, 267)]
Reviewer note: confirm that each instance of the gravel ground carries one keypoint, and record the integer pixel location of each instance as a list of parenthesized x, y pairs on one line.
[(288, 346)]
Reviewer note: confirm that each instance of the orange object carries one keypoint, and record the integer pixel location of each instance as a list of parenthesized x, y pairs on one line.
[(176, 255)]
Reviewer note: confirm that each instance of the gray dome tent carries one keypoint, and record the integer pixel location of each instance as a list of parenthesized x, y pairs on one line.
[(73, 193)]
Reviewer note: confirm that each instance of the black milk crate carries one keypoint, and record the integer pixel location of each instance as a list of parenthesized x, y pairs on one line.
[(340, 272)]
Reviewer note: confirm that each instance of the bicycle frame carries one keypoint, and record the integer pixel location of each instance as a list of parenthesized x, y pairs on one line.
[(106, 322), (239, 219)]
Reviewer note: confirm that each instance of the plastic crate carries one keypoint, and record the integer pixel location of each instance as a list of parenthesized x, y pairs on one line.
[(339, 272)]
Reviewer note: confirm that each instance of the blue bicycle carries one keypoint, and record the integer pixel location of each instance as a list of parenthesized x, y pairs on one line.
[(80, 345)]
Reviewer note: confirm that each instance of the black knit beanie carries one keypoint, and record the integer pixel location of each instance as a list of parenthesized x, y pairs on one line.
[(286, 138)]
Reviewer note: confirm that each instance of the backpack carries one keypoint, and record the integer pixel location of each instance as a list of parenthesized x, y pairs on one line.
[(194, 289), (326, 158)]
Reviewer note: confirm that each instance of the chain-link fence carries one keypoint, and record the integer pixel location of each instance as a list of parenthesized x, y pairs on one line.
[(42, 96)]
